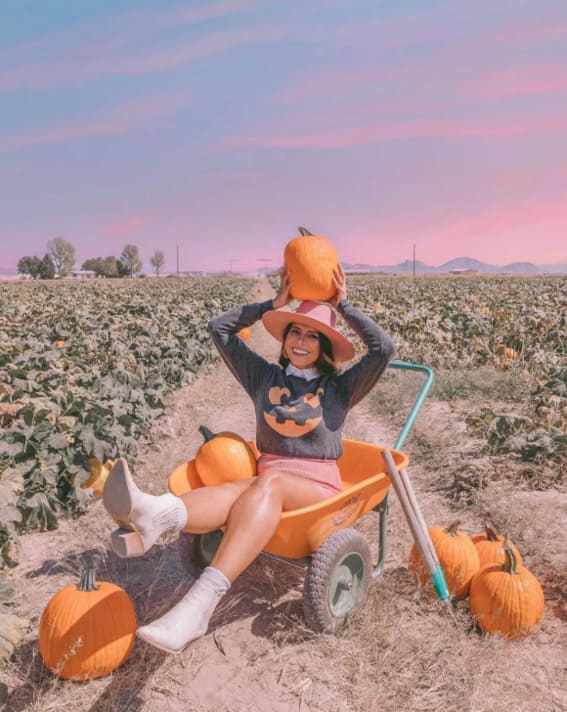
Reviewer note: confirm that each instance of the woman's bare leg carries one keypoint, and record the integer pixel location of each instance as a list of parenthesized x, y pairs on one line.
[(250, 523), (255, 516), (208, 507)]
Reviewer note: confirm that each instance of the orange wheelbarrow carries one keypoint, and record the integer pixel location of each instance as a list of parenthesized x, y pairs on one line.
[(320, 539)]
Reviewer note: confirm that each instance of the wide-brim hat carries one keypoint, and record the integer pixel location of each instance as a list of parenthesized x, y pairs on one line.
[(316, 315)]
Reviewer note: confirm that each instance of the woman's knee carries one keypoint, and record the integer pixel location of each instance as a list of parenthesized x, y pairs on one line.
[(267, 484)]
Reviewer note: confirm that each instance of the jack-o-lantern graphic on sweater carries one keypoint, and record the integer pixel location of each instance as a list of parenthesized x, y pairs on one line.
[(293, 418)]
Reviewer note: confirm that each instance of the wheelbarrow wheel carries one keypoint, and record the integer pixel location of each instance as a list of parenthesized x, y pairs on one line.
[(337, 580), (196, 551)]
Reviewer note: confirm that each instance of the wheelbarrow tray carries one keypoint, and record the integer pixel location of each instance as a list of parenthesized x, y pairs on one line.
[(302, 531)]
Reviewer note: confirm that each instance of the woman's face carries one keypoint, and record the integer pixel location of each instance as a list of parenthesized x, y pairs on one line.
[(301, 346)]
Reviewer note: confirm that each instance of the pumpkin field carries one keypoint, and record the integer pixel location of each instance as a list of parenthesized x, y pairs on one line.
[(94, 371)]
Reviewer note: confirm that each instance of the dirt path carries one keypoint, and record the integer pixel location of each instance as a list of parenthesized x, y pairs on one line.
[(257, 656)]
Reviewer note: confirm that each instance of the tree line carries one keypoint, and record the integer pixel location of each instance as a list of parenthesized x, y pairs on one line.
[(59, 261)]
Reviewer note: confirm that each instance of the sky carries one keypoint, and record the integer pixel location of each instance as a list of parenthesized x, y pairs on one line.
[(212, 130)]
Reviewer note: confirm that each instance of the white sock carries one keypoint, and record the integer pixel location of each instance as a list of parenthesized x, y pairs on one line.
[(215, 579), (161, 512), (180, 510), (189, 618)]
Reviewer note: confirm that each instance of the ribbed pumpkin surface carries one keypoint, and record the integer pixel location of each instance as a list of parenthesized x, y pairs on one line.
[(506, 602), (87, 634), (310, 260), (245, 333), (490, 547), (225, 458), (457, 555)]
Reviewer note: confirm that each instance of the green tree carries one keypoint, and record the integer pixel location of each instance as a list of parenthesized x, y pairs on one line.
[(29, 265), (47, 268), (110, 267), (103, 266), (157, 261), (62, 255), (130, 261), (95, 264)]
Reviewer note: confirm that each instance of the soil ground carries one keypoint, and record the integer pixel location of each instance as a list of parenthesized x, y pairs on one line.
[(401, 650)]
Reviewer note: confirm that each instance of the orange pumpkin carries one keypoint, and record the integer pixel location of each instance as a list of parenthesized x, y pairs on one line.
[(506, 598), (224, 457), (245, 333), (457, 555), (310, 261), (490, 547), (87, 630)]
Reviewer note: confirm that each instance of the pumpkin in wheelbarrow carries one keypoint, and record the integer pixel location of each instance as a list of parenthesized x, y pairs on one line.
[(224, 457)]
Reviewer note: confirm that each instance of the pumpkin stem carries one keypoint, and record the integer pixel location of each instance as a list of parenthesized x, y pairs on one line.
[(88, 582), (303, 231), (206, 433), (452, 528), (511, 565), (491, 535)]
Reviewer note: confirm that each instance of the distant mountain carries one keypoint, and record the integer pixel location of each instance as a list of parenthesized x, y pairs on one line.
[(460, 263)]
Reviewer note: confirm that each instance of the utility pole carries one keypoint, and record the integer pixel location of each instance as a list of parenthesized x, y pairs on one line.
[(414, 261), (231, 262), (178, 260)]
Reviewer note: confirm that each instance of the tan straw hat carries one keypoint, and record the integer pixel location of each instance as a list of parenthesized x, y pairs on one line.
[(319, 316)]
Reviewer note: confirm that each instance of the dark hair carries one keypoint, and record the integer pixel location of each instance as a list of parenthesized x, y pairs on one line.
[(325, 364)]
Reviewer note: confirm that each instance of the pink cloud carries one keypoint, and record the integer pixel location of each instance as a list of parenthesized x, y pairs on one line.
[(126, 226), (77, 65), (524, 29), (127, 27), (118, 121), (357, 136), (523, 81)]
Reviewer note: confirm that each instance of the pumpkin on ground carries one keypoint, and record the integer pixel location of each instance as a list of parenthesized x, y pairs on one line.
[(224, 457), (98, 473), (245, 333), (506, 598), (490, 547), (87, 630), (310, 261), (457, 555)]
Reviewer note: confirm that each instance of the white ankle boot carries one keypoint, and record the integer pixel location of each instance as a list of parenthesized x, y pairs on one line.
[(186, 621), (143, 518)]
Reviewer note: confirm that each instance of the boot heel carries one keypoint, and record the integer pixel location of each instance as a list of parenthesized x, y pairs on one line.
[(127, 543)]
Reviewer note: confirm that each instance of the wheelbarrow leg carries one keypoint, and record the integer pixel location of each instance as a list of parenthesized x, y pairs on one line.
[(382, 508)]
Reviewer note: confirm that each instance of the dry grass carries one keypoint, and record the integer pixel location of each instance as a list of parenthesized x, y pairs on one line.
[(401, 651)]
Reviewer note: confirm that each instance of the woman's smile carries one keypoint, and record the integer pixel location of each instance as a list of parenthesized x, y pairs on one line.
[(302, 346)]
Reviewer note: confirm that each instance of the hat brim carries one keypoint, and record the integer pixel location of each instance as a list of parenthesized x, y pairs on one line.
[(275, 322)]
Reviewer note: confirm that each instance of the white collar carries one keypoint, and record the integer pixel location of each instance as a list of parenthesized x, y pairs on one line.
[(307, 373)]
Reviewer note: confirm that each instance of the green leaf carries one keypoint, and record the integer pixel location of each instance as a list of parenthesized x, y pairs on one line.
[(57, 441)]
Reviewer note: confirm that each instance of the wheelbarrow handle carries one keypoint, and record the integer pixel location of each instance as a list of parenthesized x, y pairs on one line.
[(418, 401)]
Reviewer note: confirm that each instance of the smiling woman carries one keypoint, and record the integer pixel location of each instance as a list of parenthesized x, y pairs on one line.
[(301, 405)]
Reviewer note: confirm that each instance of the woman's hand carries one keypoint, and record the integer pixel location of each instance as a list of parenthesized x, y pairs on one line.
[(340, 284), (283, 296)]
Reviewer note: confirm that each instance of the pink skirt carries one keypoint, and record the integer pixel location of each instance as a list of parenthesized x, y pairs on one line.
[(325, 473)]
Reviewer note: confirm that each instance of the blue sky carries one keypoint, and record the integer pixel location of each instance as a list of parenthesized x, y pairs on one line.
[(221, 126)]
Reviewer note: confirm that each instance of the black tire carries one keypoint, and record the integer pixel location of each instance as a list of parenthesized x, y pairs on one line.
[(196, 551), (337, 580)]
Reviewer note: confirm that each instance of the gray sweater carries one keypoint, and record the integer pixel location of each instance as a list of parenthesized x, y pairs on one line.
[(297, 417)]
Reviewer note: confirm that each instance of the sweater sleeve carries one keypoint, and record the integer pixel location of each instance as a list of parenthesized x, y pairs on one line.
[(248, 367), (359, 379)]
